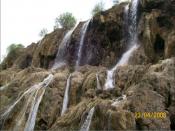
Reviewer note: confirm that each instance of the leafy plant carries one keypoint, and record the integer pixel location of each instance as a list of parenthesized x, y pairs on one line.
[(65, 20), (116, 1), (13, 47), (98, 8), (43, 32)]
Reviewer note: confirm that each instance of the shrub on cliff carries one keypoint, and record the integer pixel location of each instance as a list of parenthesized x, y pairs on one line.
[(13, 47), (66, 20), (14, 51), (115, 1), (98, 8), (43, 32)]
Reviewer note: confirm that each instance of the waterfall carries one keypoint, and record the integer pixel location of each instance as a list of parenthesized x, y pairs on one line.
[(66, 95), (87, 123), (133, 22), (83, 33), (132, 44), (60, 57), (98, 82), (34, 95)]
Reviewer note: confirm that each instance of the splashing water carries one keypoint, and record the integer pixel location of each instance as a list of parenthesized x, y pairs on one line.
[(60, 59), (119, 100), (34, 95), (123, 61), (66, 95), (83, 33), (87, 123), (132, 43)]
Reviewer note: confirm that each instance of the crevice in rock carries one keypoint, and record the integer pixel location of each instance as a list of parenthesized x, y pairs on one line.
[(26, 62), (169, 100), (159, 46), (138, 126), (46, 61), (43, 124), (172, 125), (164, 21)]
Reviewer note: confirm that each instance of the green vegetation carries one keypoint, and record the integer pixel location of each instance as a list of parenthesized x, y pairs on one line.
[(98, 8), (43, 32), (13, 47), (115, 1), (13, 51), (65, 20)]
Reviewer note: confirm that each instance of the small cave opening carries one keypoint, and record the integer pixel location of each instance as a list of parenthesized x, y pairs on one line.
[(26, 62), (159, 46)]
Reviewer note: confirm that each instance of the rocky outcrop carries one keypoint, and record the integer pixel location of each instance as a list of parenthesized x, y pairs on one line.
[(11, 57), (156, 29), (148, 88), (41, 54), (107, 26), (143, 97), (155, 32), (25, 59), (46, 51)]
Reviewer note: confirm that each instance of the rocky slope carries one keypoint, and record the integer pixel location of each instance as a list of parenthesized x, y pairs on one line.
[(148, 81)]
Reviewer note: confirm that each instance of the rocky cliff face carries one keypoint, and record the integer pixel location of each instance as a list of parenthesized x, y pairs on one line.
[(155, 32), (146, 85)]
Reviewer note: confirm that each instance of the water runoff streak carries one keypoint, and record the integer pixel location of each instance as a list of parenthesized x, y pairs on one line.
[(87, 123), (60, 59), (132, 44), (83, 33), (66, 95), (34, 95), (98, 82), (3, 87)]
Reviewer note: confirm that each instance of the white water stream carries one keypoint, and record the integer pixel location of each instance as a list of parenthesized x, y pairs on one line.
[(98, 82), (34, 95), (132, 44), (60, 59), (87, 123), (83, 33), (66, 95)]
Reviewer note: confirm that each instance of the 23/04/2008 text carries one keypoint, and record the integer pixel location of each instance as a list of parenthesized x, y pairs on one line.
[(155, 115)]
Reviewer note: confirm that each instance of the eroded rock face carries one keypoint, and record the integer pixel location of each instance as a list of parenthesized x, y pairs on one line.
[(156, 29), (106, 38), (11, 57), (147, 82), (147, 89), (107, 26), (46, 51)]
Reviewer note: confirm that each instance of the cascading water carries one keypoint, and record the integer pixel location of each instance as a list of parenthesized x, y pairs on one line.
[(119, 100), (34, 95), (87, 123), (60, 59), (66, 95), (133, 23), (98, 82), (36, 92), (132, 44), (83, 33)]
